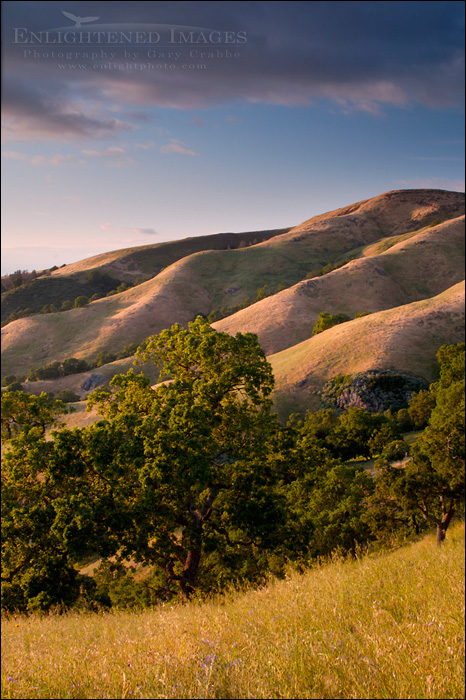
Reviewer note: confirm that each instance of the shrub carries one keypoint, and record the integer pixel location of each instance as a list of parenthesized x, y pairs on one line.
[(15, 386), (9, 379), (396, 450), (67, 396), (326, 321)]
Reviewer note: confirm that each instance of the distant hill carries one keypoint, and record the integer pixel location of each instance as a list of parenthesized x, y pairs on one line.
[(128, 265), (406, 247), (418, 266), (405, 338)]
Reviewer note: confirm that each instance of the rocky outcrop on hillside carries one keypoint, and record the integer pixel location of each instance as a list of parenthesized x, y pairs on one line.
[(375, 391), (92, 382)]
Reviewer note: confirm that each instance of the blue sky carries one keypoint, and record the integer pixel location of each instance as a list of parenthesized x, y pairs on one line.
[(295, 109)]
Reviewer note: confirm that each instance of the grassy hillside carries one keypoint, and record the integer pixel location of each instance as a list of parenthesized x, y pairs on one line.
[(386, 626), (200, 282), (405, 338), (129, 265), (419, 265)]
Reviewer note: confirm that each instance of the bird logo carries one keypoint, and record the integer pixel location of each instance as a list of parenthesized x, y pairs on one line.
[(79, 21)]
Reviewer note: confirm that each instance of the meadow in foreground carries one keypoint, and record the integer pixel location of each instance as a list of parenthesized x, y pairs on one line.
[(388, 626)]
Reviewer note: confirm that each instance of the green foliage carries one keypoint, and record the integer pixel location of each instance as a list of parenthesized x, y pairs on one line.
[(431, 485), (67, 396), (81, 301), (262, 293), (324, 498), (59, 369), (36, 569), (352, 434), (103, 358), (8, 379), (395, 450), (22, 412), (420, 408), (197, 481), (330, 267), (403, 419), (326, 321), (48, 294), (73, 366), (15, 386)]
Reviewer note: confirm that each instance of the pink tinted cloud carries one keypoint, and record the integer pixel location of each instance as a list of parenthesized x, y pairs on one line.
[(176, 146)]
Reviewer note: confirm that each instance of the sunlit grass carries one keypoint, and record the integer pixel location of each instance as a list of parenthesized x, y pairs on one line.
[(390, 626)]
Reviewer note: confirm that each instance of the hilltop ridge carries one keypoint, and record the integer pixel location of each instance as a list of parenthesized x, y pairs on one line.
[(380, 254)]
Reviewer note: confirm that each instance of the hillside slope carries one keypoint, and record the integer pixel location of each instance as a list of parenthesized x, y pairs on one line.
[(198, 283), (405, 338), (126, 265), (371, 627), (421, 266)]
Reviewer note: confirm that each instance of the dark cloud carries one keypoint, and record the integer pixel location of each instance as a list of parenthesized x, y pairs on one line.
[(361, 55), (30, 111)]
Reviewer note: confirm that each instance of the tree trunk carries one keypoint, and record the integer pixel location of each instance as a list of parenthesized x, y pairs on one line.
[(440, 534), (442, 526), (190, 571)]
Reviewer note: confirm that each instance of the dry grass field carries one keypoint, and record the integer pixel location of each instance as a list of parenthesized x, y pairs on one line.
[(382, 626)]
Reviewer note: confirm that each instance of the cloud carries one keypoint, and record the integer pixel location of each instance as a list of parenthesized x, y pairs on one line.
[(110, 152), (106, 227), (145, 231), (358, 56), (197, 121), (55, 160), (14, 155), (233, 120), (176, 146), (31, 112)]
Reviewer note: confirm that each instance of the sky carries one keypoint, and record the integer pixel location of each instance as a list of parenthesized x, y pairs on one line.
[(132, 123)]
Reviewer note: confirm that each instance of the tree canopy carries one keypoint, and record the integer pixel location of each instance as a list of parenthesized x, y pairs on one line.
[(196, 480), (431, 484)]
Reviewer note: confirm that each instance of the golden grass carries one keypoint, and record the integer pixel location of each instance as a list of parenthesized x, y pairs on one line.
[(199, 282), (405, 338), (387, 626), (422, 266)]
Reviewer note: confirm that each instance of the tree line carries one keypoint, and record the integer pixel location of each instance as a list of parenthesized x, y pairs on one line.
[(199, 482)]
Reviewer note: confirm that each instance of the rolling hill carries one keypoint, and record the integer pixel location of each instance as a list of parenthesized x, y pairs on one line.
[(421, 266), (130, 265), (405, 338), (406, 249)]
